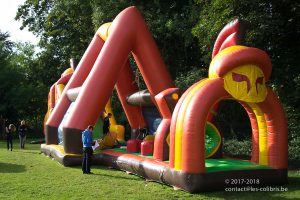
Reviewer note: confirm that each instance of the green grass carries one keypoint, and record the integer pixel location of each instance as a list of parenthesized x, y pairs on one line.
[(27, 174)]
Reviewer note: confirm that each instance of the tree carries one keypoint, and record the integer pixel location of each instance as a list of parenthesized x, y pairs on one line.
[(65, 28), (22, 91), (33, 103), (5, 52), (170, 23), (11, 81)]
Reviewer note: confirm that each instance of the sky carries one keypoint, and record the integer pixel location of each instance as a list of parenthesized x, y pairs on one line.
[(8, 10)]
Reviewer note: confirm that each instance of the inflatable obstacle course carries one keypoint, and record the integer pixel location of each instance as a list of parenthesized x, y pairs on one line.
[(186, 139)]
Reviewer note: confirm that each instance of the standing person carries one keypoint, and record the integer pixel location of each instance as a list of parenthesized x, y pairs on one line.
[(2, 127), (9, 136), (106, 124), (22, 134), (87, 141)]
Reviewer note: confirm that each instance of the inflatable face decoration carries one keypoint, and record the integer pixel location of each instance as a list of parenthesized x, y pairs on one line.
[(244, 71), (246, 83)]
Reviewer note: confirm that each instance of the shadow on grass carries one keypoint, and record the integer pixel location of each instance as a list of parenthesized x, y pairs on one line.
[(135, 178), (293, 184), (107, 173), (11, 168), (31, 152), (294, 164)]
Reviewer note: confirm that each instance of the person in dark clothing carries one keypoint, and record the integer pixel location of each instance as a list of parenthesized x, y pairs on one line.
[(22, 134), (9, 136), (2, 127), (106, 124), (87, 141)]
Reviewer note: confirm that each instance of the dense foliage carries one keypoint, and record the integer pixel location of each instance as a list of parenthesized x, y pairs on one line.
[(65, 29), (22, 97), (185, 32)]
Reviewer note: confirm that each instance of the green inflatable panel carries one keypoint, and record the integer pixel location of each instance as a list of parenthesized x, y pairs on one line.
[(98, 130), (212, 140)]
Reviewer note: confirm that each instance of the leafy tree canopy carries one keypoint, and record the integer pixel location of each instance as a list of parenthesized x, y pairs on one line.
[(185, 32)]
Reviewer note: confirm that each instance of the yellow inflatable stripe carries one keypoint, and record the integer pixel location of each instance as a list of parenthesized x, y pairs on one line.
[(108, 109), (60, 149), (212, 71), (260, 118), (59, 89), (119, 129), (103, 31), (263, 126), (263, 156), (114, 127), (180, 122), (262, 134)]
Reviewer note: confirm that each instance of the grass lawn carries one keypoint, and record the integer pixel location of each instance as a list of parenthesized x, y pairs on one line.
[(27, 174)]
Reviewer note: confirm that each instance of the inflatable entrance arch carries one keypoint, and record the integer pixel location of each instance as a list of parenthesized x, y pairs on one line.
[(263, 107)]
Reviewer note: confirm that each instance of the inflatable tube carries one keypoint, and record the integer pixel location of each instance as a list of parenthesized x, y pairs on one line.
[(277, 138), (232, 34), (235, 56), (254, 126), (125, 86), (77, 79), (166, 102), (173, 124), (140, 98), (73, 93)]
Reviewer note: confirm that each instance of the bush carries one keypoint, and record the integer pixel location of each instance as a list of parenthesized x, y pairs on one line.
[(187, 79), (294, 149), (242, 149), (237, 148)]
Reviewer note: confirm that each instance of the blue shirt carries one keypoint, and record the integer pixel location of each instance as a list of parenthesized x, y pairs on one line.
[(87, 139)]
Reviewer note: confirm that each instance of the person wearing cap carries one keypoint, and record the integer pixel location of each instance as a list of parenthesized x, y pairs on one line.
[(87, 141)]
